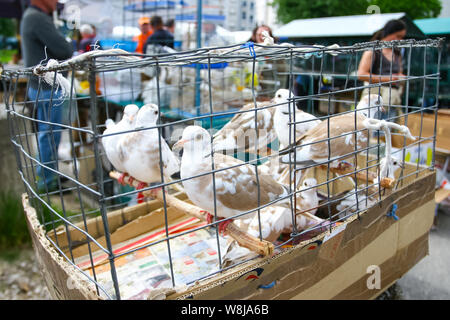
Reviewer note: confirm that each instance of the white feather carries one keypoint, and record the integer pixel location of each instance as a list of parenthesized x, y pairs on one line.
[(140, 149)]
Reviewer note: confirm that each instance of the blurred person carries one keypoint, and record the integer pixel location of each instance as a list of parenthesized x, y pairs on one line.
[(211, 37), (277, 66), (160, 36), (88, 38), (170, 26), (42, 41), (257, 34), (146, 31), (375, 66), (76, 38)]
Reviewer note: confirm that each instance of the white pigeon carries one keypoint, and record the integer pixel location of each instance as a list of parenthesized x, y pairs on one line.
[(303, 121), (278, 219), (341, 136), (307, 199), (111, 142), (239, 133), (388, 167), (139, 150), (236, 188), (273, 219), (349, 205), (307, 203)]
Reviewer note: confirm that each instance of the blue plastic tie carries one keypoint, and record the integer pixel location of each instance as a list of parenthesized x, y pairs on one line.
[(251, 47), (393, 211), (268, 286)]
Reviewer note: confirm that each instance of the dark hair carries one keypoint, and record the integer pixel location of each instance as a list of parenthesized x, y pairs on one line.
[(253, 37), (156, 21), (390, 27), (170, 23)]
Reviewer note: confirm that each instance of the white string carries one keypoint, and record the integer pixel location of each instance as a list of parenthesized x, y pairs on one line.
[(58, 82), (386, 162)]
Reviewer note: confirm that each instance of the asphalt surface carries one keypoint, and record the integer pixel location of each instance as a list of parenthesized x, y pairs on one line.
[(430, 278)]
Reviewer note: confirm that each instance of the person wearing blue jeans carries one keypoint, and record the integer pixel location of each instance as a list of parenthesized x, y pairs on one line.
[(42, 41), (48, 108)]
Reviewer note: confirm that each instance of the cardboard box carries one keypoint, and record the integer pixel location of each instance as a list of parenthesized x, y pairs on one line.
[(336, 267), (442, 130), (332, 265)]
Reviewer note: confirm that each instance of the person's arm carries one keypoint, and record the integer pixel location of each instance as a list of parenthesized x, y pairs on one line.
[(364, 70), (55, 42)]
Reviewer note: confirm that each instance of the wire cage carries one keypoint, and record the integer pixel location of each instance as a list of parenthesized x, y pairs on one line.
[(276, 191)]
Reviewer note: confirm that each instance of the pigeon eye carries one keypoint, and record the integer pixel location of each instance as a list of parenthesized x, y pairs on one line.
[(198, 136), (156, 112), (279, 96)]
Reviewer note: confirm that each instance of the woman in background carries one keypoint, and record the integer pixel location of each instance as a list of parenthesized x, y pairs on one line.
[(375, 66), (257, 33), (269, 71)]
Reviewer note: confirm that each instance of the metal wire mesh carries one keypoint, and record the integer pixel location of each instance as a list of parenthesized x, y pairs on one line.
[(324, 83)]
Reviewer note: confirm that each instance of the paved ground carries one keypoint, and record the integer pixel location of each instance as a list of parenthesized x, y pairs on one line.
[(430, 278), (20, 278)]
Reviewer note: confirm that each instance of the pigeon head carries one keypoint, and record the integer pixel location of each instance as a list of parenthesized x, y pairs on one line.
[(370, 104), (396, 164), (309, 183), (281, 100), (281, 96), (147, 115), (130, 112), (109, 123), (388, 166), (194, 139)]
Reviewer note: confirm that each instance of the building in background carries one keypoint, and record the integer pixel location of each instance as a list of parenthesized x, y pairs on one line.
[(434, 28), (445, 12), (240, 14), (266, 13)]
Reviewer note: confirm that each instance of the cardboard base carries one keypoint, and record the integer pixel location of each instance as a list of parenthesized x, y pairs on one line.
[(329, 266), (62, 279)]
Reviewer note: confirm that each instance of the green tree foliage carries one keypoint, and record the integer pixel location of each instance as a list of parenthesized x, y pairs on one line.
[(415, 9), (7, 27), (288, 10)]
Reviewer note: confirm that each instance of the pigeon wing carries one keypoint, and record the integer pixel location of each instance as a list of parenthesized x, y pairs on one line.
[(237, 188)]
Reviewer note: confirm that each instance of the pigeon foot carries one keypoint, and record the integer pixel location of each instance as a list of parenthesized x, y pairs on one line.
[(122, 177), (223, 226), (140, 196)]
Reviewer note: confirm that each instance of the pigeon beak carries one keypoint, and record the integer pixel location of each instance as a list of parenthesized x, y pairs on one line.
[(402, 165), (179, 145)]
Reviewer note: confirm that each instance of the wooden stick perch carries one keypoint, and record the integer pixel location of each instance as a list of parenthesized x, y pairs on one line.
[(263, 247)]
